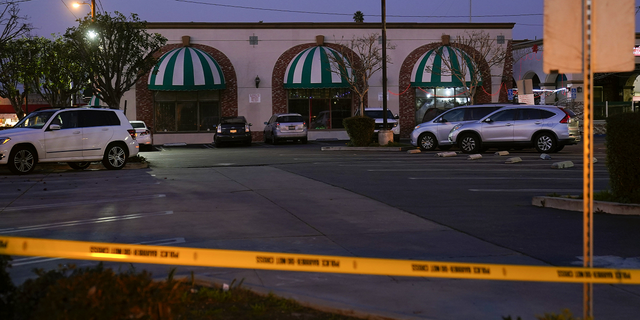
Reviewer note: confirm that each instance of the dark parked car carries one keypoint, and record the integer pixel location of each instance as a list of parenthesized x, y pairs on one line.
[(232, 129)]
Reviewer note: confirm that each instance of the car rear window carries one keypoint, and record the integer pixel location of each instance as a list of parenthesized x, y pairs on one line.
[(377, 114), (290, 119), (138, 125), (233, 120)]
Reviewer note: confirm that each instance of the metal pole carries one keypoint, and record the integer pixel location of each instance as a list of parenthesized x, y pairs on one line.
[(93, 10), (384, 65), (588, 156)]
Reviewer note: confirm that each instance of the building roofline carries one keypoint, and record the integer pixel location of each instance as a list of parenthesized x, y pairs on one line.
[(323, 25)]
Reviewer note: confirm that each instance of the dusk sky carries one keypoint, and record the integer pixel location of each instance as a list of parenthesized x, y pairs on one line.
[(55, 16)]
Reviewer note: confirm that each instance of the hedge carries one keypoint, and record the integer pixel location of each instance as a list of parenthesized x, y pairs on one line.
[(623, 156)]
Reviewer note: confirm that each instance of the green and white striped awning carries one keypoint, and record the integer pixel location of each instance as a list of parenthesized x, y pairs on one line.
[(95, 101), (442, 75), (186, 69), (311, 69)]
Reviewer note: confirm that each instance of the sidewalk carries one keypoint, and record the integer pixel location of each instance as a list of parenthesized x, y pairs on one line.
[(306, 216)]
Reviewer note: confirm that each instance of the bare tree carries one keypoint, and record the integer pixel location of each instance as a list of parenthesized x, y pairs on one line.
[(472, 57), (12, 56), (11, 23), (358, 60)]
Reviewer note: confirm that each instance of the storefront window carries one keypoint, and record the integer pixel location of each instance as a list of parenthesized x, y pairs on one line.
[(321, 108), (186, 111), (432, 101)]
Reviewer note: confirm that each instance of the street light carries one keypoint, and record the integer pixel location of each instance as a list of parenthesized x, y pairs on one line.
[(93, 7)]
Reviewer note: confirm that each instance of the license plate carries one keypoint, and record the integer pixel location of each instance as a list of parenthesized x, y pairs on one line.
[(233, 130), (292, 127)]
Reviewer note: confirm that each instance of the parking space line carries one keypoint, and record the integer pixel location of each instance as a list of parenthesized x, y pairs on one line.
[(83, 222), (80, 203)]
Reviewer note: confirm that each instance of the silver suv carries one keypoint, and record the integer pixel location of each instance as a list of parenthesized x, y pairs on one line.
[(434, 133), (77, 136), (285, 126), (546, 128)]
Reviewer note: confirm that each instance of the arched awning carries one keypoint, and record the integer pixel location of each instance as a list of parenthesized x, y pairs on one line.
[(441, 75), (186, 69), (95, 101), (311, 69)]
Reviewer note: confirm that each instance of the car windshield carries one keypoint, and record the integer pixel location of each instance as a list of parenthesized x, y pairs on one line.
[(233, 120), (138, 125), (35, 120), (376, 114), (290, 119)]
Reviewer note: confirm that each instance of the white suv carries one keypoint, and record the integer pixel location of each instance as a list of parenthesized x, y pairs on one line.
[(77, 136)]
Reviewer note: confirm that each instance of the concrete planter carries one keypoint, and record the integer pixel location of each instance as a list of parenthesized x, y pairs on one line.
[(384, 137), (576, 205)]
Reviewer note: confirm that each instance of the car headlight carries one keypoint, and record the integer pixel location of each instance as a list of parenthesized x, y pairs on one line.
[(4, 140), (456, 127), (416, 127)]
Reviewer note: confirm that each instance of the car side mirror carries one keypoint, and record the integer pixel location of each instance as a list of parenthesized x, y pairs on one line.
[(54, 126), (396, 116), (249, 124), (266, 122), (487, 120)]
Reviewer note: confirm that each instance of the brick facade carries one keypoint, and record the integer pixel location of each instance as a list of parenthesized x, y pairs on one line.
[(228, 96), (407, 94)]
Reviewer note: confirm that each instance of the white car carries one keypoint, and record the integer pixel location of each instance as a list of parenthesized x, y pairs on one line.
[(143, 134), (77, 136), (393, 122)]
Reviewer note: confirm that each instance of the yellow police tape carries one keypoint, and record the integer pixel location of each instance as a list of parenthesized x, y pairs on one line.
[(305, 262)]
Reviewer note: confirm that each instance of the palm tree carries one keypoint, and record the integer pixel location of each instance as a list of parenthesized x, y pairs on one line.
[(358, 17)]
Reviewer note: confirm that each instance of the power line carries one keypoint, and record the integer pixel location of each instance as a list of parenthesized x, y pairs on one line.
[(350, 14)]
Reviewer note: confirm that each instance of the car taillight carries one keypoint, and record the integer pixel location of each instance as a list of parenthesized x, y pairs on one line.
[(132, 133), (566, 117)]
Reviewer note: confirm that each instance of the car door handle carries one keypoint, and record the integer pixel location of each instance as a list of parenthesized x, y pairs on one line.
[(77, 132), (538, 122), (508, 124)]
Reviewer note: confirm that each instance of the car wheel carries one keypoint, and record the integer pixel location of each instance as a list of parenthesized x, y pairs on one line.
[(304, 140), (79, 165), (115, 157), (427, 142), (469, 143), (218, 143), (22, 160), (545, 142), (274, 141)]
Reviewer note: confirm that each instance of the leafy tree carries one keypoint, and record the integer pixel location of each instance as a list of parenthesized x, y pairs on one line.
[(16, 67), (115, 51), (360, 59), (59, 72), (358, 17), (480, 53)]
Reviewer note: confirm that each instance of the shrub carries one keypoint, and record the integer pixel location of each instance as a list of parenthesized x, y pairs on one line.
[(7, 289), (623, 156), (97, 293), (360, 130)]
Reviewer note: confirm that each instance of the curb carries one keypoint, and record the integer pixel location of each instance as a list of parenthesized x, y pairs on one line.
[(62, 167), (383, 149), (598, 206)]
